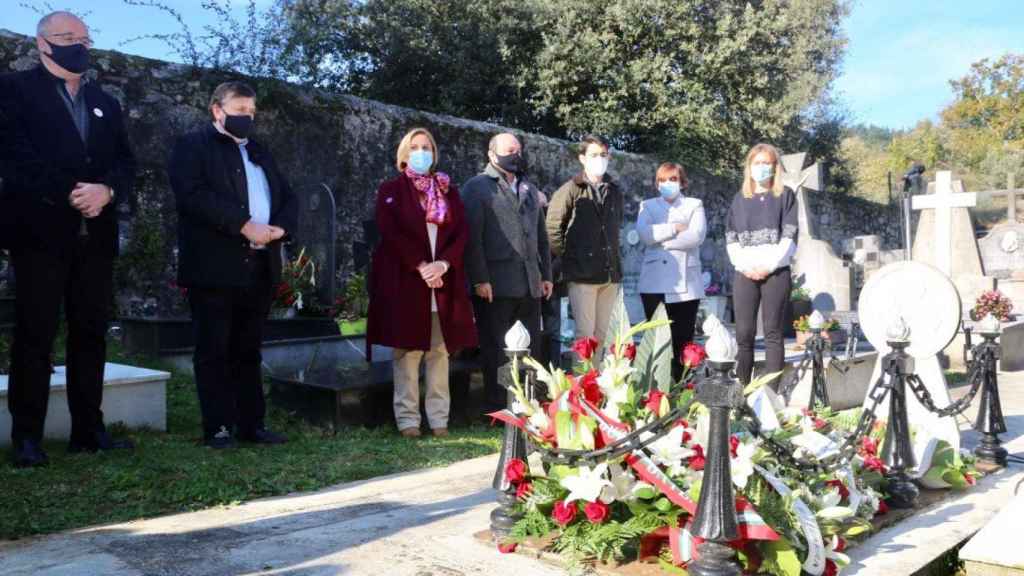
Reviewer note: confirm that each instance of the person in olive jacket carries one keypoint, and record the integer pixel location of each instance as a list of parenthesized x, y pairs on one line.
[(234, 209), (583, 224)]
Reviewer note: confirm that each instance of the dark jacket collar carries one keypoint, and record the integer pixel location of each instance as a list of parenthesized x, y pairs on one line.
[(252, 148), (581, 180)]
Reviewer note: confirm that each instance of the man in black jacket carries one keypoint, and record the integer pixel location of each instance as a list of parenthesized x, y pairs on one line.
[(507, 256), (234, 208), (583, 222), (66, 163)]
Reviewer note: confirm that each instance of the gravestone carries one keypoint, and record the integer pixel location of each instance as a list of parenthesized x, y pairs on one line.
[(631, 250), (945, 235), (825, 275), (928, 302), (318, 235), (1002, 251)]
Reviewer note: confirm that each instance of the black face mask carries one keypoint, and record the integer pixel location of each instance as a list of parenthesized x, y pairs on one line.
[(239, 126), (74, 58), (511, 163)]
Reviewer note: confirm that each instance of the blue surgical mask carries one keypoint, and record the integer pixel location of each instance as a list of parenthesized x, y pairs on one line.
[(761, 172), (421, 161), (669, 190)]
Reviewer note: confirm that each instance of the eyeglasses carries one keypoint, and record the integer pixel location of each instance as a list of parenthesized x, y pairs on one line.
[(68, 39)]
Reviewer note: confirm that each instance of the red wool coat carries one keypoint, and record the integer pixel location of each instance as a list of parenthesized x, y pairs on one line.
[(399, 314)]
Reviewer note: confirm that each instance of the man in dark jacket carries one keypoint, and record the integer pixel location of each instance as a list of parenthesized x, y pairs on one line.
[(507, 257), (234, 208), (66, 163), (583, 223)]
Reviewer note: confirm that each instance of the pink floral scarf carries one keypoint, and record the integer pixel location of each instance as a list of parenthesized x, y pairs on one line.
[(432, 188)]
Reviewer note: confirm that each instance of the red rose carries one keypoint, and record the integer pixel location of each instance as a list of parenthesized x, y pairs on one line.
[(693, 354), (844, 492), (654, 400), (697, 460), (515, 470), (629, 352), (734, 443), (868, 446), (883, 508), (840, 544), (874, 463), (507, 547), (597, 512), (830, 568), (819, 423), (585, 347), (591, 391), (563, 513), (524, 490), (970, 479)]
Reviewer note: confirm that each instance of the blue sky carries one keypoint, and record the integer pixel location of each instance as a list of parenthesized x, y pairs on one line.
[(900, 58)]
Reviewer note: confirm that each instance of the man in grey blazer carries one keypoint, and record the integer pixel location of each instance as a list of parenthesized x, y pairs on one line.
[(507, 257)]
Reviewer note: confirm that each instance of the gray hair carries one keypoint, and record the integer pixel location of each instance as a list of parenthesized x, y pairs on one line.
[(43, 27), (492, 145)]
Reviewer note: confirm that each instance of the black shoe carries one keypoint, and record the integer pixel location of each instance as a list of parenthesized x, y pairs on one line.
[(262, 436), (29, 454), (98, 441), (222, 440)]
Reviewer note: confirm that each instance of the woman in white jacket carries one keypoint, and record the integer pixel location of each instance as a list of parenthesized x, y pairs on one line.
[(672, 228)]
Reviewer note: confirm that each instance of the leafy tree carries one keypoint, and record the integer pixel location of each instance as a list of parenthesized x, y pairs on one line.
[(702, 79)]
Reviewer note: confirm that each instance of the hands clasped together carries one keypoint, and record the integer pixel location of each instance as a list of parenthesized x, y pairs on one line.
[(90, 198), (262, 234), (432, 273)]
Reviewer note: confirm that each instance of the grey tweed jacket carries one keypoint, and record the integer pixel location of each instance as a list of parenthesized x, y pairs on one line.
[(508, 243)]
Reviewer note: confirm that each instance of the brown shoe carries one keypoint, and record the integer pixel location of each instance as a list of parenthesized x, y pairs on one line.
[(440, 432), (410, 432)]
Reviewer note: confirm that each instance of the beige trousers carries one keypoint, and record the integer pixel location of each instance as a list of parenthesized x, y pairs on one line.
[(407, 382), (592, 306)]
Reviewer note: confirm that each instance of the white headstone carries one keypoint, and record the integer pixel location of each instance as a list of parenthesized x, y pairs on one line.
[(930, 305), (937, 237)]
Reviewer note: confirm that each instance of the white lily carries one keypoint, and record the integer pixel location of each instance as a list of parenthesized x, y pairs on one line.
[(742, 466), (670, 452), (830, 499), (622, 485), (540, 420), (587, 485)]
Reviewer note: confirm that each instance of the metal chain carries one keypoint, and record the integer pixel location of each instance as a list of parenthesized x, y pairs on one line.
[(977, 378), (786, 390), (847, 451)]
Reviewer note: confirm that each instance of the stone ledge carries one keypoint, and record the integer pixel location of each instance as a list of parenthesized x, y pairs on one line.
[(136, 397)]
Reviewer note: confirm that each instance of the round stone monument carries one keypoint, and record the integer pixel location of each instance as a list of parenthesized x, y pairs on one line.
[(923, 296), (929, 304)]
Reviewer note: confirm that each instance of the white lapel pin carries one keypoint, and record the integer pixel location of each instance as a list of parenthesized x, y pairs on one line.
[(97, 112), (389, 200)]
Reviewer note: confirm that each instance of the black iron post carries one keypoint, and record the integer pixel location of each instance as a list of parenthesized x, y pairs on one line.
[(898, 451), (715, 520), (513, 446), (990, 421), (816, 344)]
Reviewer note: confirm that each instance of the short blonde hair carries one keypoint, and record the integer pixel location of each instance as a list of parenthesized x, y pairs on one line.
[(749, 185), (402, 157), (667, 168)]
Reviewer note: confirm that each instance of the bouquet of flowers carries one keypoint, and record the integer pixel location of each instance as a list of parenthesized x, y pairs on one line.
[(803, 324), (641, 504), (992, 302), (298, 278)]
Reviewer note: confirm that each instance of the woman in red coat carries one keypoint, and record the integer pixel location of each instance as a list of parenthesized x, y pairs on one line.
[(419, 303)]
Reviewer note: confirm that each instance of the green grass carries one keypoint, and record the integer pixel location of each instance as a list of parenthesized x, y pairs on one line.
[(170, 472)]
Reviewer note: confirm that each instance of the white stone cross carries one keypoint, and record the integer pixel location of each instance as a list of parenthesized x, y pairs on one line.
[(943, 201)]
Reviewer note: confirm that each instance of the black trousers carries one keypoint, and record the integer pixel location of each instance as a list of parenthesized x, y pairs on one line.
[(771, 295), (228, 327), (80, 278), (493, 320), (684, 321)]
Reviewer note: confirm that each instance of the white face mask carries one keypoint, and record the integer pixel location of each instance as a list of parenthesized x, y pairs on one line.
[(596, 166)]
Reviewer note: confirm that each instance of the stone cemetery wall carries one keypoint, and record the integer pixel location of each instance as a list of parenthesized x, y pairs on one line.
[(349, 144)]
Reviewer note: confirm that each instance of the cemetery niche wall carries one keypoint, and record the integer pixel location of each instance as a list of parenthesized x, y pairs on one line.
[(348, 144)]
